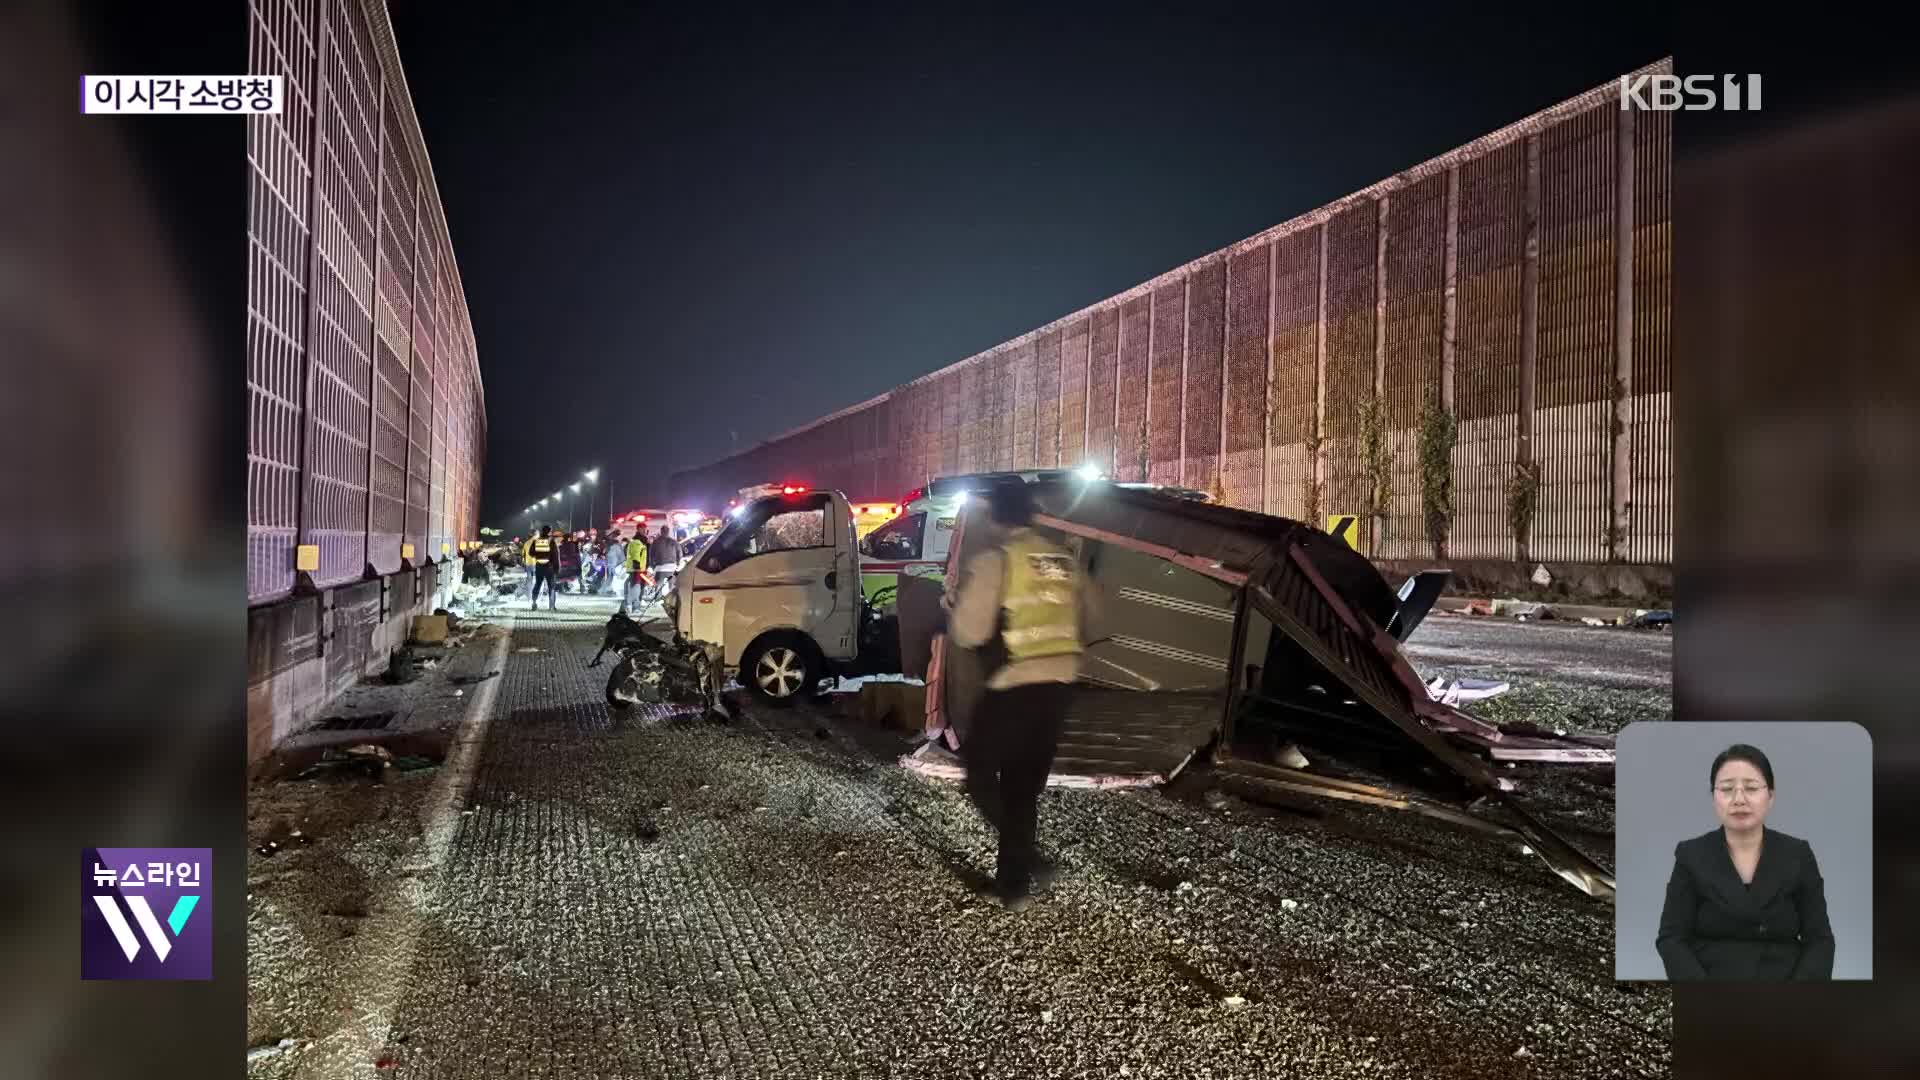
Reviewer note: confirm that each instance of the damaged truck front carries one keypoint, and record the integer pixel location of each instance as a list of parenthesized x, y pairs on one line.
[(1224, 627)]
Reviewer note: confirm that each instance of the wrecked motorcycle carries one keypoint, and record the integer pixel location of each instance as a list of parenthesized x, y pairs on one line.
[(654, 671)]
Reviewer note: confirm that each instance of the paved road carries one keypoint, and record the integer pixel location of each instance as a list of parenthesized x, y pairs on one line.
[(646, 894), (1571, 653)]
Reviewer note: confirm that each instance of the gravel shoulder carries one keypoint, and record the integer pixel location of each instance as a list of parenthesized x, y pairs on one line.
[(645, 893)]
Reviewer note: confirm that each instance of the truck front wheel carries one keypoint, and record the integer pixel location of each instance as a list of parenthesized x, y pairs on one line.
[(780, 669)]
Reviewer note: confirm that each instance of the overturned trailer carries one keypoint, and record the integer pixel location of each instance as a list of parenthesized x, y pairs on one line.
[(1220, 627)]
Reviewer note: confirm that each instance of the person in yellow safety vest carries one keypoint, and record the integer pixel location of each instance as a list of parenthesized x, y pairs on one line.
[(1024, 604), (543, 552), (637, 575)]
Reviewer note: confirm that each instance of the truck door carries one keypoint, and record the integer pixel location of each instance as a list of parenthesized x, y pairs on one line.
[(838, 628)]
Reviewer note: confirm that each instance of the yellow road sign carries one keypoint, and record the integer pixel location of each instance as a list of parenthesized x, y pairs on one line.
[(1346, 528)]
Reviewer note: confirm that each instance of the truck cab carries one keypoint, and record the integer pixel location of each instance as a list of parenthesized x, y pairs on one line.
[(777, 593)]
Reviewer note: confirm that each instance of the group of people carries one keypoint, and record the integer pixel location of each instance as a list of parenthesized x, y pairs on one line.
[(600, 565)]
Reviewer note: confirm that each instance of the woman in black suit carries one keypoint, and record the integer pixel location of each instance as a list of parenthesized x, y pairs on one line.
[(1745, 901)]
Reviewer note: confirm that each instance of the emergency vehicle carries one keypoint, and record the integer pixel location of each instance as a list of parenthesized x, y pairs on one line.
[(867, 516), (917, 539)]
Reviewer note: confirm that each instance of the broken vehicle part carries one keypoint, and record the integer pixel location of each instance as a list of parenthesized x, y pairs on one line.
[(1265, 618)]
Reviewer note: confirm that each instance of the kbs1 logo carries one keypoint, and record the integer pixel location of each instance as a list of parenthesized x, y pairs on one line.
[(146, 913), (1694, 93)]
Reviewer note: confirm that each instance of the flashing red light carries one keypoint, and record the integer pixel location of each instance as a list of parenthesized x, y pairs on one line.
[(791, 490), (914, 494)]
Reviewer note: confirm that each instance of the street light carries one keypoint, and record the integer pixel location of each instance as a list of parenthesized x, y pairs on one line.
[(593, 477)]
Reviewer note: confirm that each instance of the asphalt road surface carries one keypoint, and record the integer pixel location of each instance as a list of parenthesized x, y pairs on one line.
[(645, 894)]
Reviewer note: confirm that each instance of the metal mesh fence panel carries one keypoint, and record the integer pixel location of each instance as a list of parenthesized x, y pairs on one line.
[(1166, 397), (281, 41), (1351, 256), (1075, 352), (1294, 423), (1416, 303), (1574, 404), (1243, 470), (1206, 351), (1650, 535), (1131, 452), (1486, 366), (1101, 386), (1026, 450), (1046, 414)]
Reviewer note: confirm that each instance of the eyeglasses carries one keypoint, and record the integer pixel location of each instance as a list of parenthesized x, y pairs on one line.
[(1749, 790)]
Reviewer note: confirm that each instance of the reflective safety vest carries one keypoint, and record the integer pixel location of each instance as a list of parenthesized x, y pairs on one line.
[(540, 550), (636, 556), (1040, 599)]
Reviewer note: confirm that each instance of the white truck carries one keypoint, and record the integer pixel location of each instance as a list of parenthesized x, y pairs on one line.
[(777, 594)]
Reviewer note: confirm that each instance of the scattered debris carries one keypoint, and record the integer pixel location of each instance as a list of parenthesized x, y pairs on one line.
[(264, 1052), (1523, 1052), (1046, 1016), (411, 763), (1290, 757), (401, 668), (1591, 621), (1456, 691), (1478, 607), (1233, 1001), (366, 760), (528, 649), (1653, 618), (469, 680), (1290, 904)]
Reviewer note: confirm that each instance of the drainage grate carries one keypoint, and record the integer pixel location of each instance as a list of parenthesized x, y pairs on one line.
[(371, 722)]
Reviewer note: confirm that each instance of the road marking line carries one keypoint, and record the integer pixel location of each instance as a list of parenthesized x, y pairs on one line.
[(389, 939)]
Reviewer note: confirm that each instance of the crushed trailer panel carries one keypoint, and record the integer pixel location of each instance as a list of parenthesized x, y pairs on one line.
[(1309, 646)]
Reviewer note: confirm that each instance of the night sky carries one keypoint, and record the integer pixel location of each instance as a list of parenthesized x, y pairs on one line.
[(683, 233)]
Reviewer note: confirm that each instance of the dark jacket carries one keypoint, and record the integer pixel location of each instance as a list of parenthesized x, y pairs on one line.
[(1715, 927)]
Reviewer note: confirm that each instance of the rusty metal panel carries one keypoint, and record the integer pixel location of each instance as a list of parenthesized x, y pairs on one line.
[(1076, 341), (1650, 538), (1102, 383), (1024, 383), (1416, 301), (1166, 392), (971, 409), (1352, 250), (1206, 351), (950, 424), (1046, 413), (999, 395), (1574, 405), (1492, 247), (1296, 346), (1131, 452), (281, 41), (1243, 470)]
